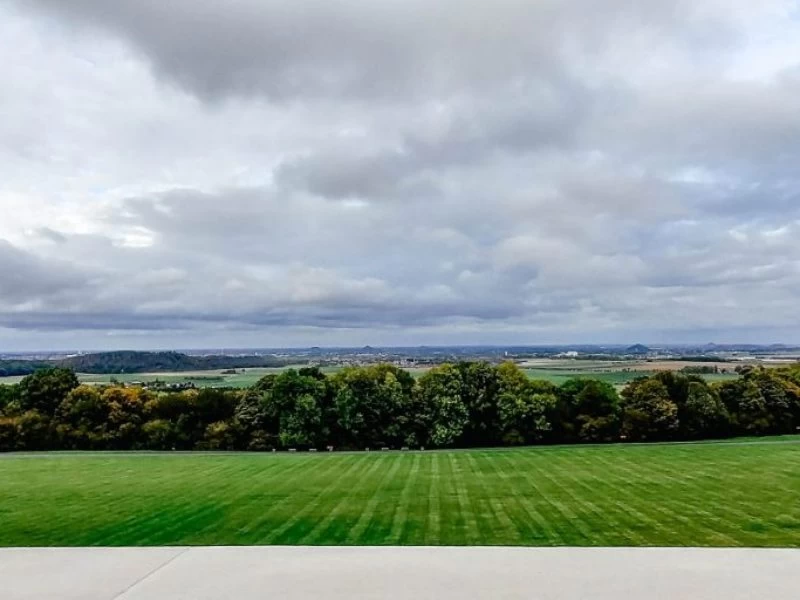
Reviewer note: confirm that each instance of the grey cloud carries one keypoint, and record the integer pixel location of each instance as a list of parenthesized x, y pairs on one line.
[(422, 171), (455, 136), (385, 49), (26, 278)]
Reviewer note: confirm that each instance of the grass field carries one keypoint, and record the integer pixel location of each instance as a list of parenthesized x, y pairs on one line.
[(247, 378), (211, 378), (712, 494)]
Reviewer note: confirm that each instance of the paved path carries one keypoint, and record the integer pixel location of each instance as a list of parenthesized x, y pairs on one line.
[(347, 573)]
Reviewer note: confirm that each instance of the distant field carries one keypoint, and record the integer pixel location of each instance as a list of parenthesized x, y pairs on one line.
[(614, 377), (214, 378), (554, 371), (710, 494)]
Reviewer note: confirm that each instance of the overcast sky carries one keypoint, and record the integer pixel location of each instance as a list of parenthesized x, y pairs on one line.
[(200, 173)]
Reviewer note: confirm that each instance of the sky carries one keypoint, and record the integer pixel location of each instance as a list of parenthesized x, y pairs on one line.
[(264, 173)]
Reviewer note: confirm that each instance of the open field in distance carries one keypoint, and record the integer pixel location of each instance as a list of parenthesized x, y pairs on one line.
[(553, 370), (733, 493)]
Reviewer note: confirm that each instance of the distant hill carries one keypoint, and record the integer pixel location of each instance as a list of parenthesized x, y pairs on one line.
[(110, 363), (637, 349), (15, 368)]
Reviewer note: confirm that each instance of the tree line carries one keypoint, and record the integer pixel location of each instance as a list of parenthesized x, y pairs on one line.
[(130, 361), (467, 404)]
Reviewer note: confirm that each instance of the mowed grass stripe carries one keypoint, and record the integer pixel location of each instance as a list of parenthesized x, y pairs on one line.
[(618, 488), (657, 521), (275, 500), (669, 498), (547, 498), (492, 518), (337, 521), (561, 477), (433, 525), (404, 521), (268, 490), (517, 504), (605, 516), (467, 530), (360, 532), (304, 519), (693, 511), (715, 494)]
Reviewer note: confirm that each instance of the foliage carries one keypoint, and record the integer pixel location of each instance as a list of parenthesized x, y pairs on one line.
[(371, 404), (523, 406), (648, 411), (9, 398), (10, 368), (465, 404), (440, 408), (46, 389), (588, 410)]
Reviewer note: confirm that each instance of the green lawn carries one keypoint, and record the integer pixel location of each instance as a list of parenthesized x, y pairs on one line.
[(713, 494)]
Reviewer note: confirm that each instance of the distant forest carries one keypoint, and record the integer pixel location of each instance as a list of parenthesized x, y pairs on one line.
[(466, 404), (115, 363)]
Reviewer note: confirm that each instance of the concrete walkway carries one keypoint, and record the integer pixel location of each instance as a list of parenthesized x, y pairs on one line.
[(347, 573)]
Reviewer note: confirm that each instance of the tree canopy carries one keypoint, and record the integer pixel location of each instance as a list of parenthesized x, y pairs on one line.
[(464, 404)]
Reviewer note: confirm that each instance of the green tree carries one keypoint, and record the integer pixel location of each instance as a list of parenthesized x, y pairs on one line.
[(45, 390), (8, 434), (523, 406), (704, 414), (9, 399), (372, 405), (258, 428), (296, 402), (588, 410), (159, 434), (177, 408), (781, 399), (33, 431), (126, 414), (648, 411), (220, 435), (479, 395), (83, 419), (746, 406), (439, 407)]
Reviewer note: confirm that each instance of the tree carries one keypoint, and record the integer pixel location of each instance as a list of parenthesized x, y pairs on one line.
[(295, 402), (259, 429), (781, 398), (440, 410), (33, 431), (8, 434), (126, 414), (371, 404), (9, 399), (746, 406), (588, 410), (701, 413), (220, 435), (159, 434), (479, 383), (45, 390), (648, 411), (83, 419), (178, 409), (704, 414), (523, 406)]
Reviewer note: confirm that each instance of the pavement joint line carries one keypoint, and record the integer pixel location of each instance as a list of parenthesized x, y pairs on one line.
[(152, 572)]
